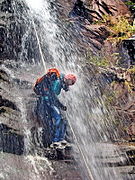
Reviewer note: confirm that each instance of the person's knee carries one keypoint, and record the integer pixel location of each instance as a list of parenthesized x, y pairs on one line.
[(57, 120)]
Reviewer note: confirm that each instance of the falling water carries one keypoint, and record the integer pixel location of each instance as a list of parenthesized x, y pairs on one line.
[(86, 114), (23, 72)]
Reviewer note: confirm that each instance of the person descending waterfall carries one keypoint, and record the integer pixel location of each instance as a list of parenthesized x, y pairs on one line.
[(49, 107)]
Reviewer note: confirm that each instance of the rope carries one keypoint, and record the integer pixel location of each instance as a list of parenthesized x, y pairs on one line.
[(39, 47), (83, 156), (84, 159), (44, 64)]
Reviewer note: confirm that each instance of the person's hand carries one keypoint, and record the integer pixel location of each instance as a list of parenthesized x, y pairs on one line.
[(64, 108)]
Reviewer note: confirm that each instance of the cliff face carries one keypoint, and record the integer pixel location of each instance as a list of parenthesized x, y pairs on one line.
[(86, 16), (103, 28), (10, 33), (90, 21), (12, 29), (11, 132), (91, 8), (82, 15)]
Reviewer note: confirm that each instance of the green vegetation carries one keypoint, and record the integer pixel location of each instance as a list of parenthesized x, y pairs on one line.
[(98, 61), (130, 3), (132, 70), (132, 75), (119, 27), (122, 29), (109, 97)]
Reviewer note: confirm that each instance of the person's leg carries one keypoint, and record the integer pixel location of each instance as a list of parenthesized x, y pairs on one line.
[(49, 120), (44, 118), (63, 130), (57, 124)]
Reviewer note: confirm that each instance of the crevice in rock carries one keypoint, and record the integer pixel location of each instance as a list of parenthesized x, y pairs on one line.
[(6, 6), (10, 141), (79, 10), (23, 84), (7, 103), (2, 110), (3, 75), (106, 8)]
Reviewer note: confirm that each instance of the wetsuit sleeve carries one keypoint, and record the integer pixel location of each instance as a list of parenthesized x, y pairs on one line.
[(57, 101), (65, 87), (63, 84)]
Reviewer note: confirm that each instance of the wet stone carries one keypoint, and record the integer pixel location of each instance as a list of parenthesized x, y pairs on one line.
[(10, 141)]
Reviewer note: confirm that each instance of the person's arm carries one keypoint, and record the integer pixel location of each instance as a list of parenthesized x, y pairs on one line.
[(64, 85), (59, 104)]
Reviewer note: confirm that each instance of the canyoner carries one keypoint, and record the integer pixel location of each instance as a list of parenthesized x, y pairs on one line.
[(48, 109)]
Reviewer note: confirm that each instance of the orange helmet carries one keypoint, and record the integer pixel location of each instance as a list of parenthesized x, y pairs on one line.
[(70, 77)]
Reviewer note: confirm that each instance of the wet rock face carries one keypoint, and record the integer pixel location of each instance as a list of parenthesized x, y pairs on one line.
[(123, 101), (91, 8), (12, 30), (11, 136), (6, 6), (8, 109), (7, 103), (109, 7), (10, 33), (80, 11), (10, 140), (129, 46), (13, 116), (84, 14)]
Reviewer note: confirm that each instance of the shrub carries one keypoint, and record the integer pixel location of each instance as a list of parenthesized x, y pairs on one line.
[(98, 61), (119, 27)]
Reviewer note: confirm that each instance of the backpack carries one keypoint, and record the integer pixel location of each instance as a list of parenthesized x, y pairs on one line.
[(42, 84), (54, 71)]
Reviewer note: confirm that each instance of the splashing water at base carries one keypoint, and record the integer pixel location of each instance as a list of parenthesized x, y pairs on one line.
[(25, 166)]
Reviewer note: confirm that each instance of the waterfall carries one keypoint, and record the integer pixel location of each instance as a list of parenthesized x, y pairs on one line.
[(86, 114)]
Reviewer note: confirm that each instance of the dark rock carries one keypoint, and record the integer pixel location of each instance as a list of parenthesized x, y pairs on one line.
[(129, 45), (2, 110), (80, 11), (12, 28), (23, 84), (7, 103), (10, 141), (4, 76), (6, 6), (109, 7)]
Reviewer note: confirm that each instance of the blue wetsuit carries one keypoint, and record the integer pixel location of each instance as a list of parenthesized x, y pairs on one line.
[(49, 106), (59, 123)]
